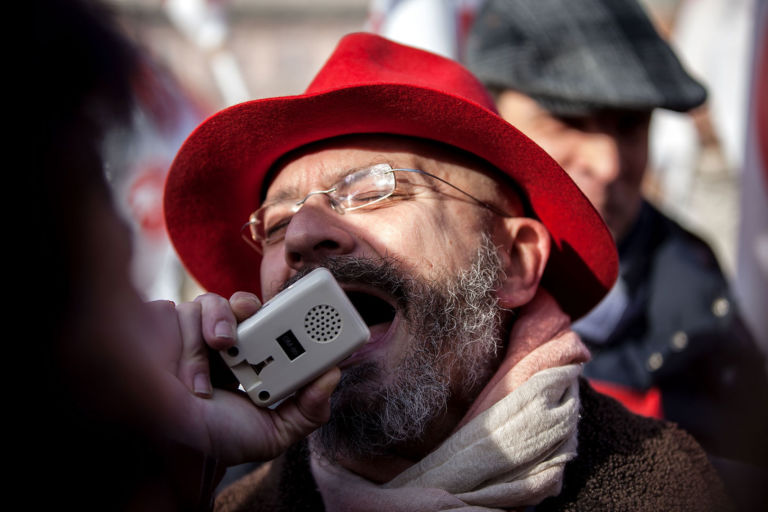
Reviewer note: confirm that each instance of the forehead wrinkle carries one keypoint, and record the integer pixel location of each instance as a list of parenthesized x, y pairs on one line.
[(298, 180)]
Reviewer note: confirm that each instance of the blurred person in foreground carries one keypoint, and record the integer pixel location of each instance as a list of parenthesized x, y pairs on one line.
[(581, 78), (467, 250), (108, 417)]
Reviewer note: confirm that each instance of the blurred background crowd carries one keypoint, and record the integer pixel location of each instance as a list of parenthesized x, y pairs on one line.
[(707, 168)]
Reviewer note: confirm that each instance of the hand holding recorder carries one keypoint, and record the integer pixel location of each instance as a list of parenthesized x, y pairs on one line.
[(284, 357), (295, 337)]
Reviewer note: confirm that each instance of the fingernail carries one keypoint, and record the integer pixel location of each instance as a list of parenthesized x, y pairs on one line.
[(254, 300), (224, 329), (202, 385)]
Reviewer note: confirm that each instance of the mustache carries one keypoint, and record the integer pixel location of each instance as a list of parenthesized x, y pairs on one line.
[(383, 274)]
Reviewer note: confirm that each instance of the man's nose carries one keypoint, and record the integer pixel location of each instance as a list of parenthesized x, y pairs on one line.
[(598, 157), (315, 232)]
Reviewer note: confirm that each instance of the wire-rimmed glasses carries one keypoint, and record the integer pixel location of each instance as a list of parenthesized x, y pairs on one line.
[(359, 189)]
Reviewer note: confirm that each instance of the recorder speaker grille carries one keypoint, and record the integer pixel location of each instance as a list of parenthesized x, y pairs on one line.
[(323, 323)]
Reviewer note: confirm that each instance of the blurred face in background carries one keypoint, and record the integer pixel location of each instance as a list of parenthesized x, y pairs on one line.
[(605, 153)]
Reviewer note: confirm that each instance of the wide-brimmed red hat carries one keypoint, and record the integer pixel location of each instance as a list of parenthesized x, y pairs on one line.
[(371, 85)]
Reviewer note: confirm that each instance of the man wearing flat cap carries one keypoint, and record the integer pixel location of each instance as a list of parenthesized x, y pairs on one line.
[(581, 78), (467, 250)]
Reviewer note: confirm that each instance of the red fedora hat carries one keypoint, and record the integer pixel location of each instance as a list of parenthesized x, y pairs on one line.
[(371, 85)]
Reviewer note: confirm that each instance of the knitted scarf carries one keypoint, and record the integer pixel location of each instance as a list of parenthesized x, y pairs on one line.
[(509, 451)]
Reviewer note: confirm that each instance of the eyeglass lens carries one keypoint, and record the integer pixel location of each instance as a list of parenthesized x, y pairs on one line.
[(356, 190)]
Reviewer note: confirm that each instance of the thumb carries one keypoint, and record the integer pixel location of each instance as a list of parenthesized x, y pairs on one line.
[(309, 408)]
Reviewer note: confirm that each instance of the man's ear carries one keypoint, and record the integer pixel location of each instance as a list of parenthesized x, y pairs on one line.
[(525, 251)]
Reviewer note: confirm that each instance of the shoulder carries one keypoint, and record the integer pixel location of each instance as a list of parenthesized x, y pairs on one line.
[(688, 296), (247, 492), (675, 277), (626, 461), (678, 250)]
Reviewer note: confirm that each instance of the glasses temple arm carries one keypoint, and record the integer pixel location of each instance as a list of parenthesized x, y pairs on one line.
[(478, 201)]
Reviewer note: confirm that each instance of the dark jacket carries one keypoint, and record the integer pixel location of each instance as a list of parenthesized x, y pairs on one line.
[(681, 334), (624, 462)]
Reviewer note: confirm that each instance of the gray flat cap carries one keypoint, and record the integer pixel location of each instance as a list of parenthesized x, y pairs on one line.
[(578, 56)]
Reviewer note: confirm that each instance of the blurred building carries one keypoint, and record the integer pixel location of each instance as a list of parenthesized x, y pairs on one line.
[(275, 45), (202, 56)]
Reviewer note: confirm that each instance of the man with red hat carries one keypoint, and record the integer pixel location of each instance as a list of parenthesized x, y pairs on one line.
[(466, 249)]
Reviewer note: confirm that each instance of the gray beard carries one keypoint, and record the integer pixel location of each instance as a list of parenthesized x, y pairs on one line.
[(456, 325)]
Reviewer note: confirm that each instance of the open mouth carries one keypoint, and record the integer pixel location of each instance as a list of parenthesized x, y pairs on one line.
[(374, 310)]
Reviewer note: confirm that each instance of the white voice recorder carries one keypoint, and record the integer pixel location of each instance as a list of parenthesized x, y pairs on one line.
[(295, 337)]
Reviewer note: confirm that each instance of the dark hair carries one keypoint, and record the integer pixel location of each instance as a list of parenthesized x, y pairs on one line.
[(79, 87)]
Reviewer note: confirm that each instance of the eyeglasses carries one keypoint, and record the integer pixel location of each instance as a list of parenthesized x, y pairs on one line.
[(359, 189)]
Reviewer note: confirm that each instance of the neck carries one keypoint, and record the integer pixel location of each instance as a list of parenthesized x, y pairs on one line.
[(384, 467)]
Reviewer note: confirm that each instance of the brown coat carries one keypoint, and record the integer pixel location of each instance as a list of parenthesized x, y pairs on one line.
[(624, 462)]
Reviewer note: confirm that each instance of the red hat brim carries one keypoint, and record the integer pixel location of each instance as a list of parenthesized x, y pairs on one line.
[(216, 179)]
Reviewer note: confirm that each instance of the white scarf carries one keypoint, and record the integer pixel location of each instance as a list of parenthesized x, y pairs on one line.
[(510, 456), (510, 453)]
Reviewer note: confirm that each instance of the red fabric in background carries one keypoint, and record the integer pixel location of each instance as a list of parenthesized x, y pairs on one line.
[(644, 403), (761, 98)]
